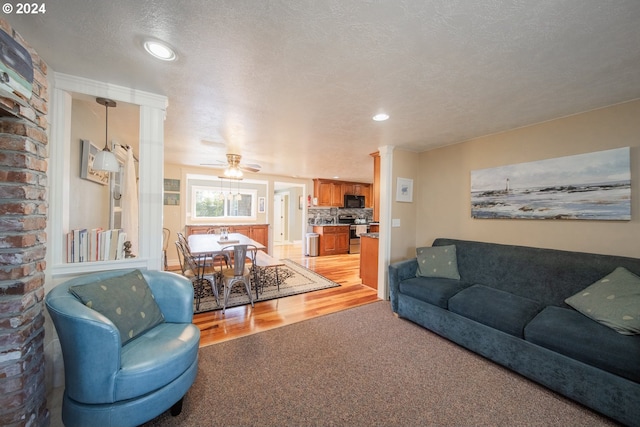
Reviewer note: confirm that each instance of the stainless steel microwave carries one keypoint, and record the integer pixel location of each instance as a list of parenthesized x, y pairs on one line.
[(352, 201)]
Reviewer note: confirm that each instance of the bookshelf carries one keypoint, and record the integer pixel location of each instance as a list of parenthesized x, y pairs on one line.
[(151, 139)]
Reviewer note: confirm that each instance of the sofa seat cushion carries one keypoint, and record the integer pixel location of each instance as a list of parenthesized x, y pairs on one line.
[(156, 358), (496, 308), (569, 332), (433, 290)]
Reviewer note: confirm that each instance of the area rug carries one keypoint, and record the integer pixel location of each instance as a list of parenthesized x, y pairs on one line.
[(294, 279)]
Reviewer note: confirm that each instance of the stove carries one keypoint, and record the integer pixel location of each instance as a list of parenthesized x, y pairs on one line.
[(356, 226)]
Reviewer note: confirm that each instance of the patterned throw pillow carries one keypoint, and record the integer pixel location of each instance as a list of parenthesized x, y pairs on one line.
[(125, 300), (437, 261), (613, 301)]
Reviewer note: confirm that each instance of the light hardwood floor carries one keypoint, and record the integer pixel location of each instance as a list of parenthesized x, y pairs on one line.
[(245, 320)]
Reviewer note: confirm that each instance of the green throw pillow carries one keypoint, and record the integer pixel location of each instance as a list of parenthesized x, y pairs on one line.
[(125, 300), (437, 261), (613, 301)]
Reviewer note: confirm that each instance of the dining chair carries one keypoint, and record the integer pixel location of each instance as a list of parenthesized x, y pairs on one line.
[(182, 239), (166, 233), (195, 268), (238, 272), (218, 231)]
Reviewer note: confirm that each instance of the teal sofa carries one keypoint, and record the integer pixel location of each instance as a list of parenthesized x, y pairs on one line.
[(115, 380), (508, 305)]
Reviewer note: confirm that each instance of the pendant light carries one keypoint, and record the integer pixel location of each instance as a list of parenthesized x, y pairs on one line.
[(105, 160)]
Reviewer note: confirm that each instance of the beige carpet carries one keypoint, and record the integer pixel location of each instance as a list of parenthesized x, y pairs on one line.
[(363, 367)]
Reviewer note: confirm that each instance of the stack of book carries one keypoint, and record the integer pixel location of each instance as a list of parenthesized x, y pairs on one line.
[(96, 244)]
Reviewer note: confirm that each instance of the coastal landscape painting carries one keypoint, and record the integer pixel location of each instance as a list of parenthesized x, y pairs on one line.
[(592, 186)]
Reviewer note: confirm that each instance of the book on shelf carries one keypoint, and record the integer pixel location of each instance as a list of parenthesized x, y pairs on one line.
[(122, 237), (113, 245), (95, 244)]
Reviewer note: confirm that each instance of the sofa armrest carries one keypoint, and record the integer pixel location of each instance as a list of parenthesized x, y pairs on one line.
[(398, 272), (173, 294)]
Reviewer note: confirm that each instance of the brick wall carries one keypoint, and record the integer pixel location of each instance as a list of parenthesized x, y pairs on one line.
[(23, 217)]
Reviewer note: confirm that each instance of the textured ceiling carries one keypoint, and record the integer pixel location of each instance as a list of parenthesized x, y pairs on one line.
[(293, 84)]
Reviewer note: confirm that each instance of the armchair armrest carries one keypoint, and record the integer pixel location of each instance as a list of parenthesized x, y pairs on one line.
[(91, 346), (173, 294), (398, 272)]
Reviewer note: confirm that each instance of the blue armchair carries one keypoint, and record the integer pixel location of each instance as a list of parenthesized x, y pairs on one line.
[(108, 383)]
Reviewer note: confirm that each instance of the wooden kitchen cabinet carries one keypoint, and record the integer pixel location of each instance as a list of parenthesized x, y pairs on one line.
[(197, 229), (369, 261), (333, 240), (260, 233), (257, 232), (328, 193), (375, 188), (331, 192)]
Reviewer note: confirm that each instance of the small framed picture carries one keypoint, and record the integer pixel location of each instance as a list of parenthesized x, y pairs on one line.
[(261, 204), (404, 190), (89, 151), (172, 185), (172, 199)]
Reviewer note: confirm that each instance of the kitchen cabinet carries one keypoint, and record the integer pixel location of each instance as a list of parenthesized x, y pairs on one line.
[(333, 239), (369, 260), (257, 232), (260, 233), (331, 192), (375, 188), (328, 193)]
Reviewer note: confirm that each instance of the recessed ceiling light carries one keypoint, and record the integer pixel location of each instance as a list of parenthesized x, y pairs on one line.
[(380, 117), (159, 50)]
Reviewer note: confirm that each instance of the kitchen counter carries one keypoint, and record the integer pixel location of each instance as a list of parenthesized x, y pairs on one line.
[(371, 235)]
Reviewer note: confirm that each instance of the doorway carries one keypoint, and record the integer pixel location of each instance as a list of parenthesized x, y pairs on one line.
[(281, 218), (289, 212)]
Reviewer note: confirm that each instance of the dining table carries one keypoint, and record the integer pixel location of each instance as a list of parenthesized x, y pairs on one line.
[(215, 244), (203, 244)]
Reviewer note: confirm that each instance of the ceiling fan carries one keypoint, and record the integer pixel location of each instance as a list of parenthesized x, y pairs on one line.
[(234, 167)]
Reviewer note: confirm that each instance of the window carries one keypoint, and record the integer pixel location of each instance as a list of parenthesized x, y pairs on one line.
[(212, 202)]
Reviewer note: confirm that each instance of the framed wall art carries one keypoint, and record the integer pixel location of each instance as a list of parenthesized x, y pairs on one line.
[(89, 151), (404, 190), (172, 185), (172, 199), (591, 186)]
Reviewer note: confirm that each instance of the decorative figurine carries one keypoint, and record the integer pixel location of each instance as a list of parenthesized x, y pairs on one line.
[(127, 250)]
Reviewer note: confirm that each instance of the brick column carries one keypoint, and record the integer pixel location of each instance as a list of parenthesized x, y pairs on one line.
[(23, 218)]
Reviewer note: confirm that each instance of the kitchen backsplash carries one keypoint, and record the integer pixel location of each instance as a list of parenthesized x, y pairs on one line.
[(330, 215)]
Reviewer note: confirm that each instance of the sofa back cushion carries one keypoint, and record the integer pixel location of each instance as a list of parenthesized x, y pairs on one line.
[(546, 275)]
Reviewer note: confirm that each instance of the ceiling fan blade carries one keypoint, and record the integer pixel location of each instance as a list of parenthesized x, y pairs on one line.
[(250, 168), (217, 163)]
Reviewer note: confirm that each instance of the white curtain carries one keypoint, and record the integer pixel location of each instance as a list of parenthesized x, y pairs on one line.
[(130, 202)]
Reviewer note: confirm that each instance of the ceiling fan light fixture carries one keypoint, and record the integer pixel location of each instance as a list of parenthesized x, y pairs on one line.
[(233, 172), (159, 50)]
